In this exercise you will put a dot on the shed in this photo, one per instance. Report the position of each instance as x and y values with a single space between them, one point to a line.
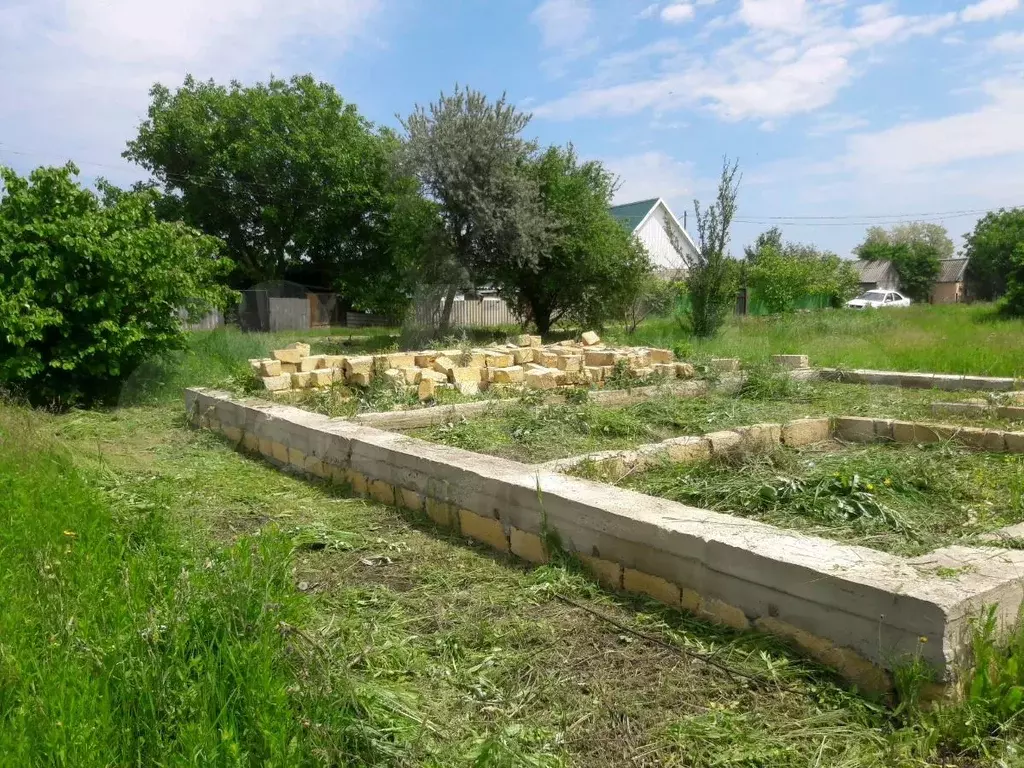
949 285
877 274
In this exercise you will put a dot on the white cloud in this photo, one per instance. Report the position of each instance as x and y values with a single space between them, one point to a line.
677 13
651 174
1007 42
793 58
832 123
563 23
76 74
989 9
993 130
648 12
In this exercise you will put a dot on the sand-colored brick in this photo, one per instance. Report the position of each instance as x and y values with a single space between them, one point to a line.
324 377
1014 442
723 441
685 449
425 358
484 529
380 491
441 512
357 481
522 356
805 432
660 589
685 371
234 434
409 499
499 360
291 356
528 546
270 368
663 356
296 458
857 429
277 383
792 362
279 451
302 380
443 364
589 338
725 364
606 572
251 442
316 467
266 446
310 363
426 389
723 613
513 374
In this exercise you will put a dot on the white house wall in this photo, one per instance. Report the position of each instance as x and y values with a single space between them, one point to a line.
652 235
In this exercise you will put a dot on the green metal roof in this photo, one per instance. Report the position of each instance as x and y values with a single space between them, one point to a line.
631 214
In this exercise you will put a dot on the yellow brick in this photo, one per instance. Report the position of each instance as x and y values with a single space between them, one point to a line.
726 614
289 356
528 546
409 499
484 529
381 491
266 446
338 475
296 458
653 586
250 442
234 434
357 480
690 600
439 511
280 452
605 571
310 364
315 467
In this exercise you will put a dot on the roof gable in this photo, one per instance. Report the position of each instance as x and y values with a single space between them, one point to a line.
874 271
632 215
951 270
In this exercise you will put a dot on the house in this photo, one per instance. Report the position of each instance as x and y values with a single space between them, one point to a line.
877 274
949 285
652 221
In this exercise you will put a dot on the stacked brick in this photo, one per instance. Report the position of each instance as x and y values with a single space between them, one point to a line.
526 363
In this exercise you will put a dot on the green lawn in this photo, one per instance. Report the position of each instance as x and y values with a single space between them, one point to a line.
962 339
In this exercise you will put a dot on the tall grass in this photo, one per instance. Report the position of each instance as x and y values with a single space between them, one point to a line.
121 646
961 339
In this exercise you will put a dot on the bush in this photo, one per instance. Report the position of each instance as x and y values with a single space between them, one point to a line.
90 288
1013 300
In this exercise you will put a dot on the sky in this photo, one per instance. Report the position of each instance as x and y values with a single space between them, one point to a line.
840 113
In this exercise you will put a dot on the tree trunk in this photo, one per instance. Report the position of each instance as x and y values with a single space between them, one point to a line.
445 321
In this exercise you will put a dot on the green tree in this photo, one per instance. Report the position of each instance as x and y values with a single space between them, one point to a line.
783 273
1013 299
90 288
770 238
713 277
470 157
990 249
910 233
286 173
588 268
917 264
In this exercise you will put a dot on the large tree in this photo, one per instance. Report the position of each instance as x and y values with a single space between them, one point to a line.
782 273
991 250
588 267
91 287
909 233
916 263
470 157
286 173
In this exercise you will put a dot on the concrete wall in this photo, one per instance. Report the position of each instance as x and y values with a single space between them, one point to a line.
856 609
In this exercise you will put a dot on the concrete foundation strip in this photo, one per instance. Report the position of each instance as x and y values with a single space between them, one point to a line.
858 610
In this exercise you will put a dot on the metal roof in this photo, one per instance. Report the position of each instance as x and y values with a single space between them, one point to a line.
873 271
951 270
631 214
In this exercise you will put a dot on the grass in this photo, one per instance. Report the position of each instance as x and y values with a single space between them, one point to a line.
908 500
531 433
961 339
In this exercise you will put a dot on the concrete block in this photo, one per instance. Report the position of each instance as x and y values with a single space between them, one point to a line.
381 491
724 441
589 338
528 546
686 449
498 360
309 363
279 451
982 439
792 362
289 367
462 374
300 347
302 380
760 436
296 459
291 356
545 379
914 432
805 432
277 383
401 360
1014 442
440 512
511 375
966 408
536 341
468 388
663 356
357 481
425 359
483 529
1011 412
315 467
324 377
545 358
570 363
855 429
685 371
411 374
600 357
443 364
522 356
725 364
435 376
270 367
409 499
660 589
668 370
425 390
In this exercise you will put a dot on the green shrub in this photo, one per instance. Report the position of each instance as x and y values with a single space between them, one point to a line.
90 288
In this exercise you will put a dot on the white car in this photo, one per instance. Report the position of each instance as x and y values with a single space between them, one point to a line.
880 298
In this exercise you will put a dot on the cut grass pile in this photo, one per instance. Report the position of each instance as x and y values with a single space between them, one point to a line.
452 655
898 498
962 339
122 644
532 433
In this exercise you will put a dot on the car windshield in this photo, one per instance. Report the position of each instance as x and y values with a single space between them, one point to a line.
872 296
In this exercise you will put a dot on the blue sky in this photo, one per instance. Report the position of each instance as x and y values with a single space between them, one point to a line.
841 113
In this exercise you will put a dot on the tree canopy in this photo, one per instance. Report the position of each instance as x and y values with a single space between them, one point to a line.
916 263
286 173
991 249
782 273
909 233
90 288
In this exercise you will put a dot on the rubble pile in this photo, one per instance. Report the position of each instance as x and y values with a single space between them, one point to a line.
524 363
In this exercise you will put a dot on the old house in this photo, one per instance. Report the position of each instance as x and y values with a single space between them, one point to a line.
949 285
654 224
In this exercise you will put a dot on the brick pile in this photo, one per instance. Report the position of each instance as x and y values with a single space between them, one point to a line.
525 363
